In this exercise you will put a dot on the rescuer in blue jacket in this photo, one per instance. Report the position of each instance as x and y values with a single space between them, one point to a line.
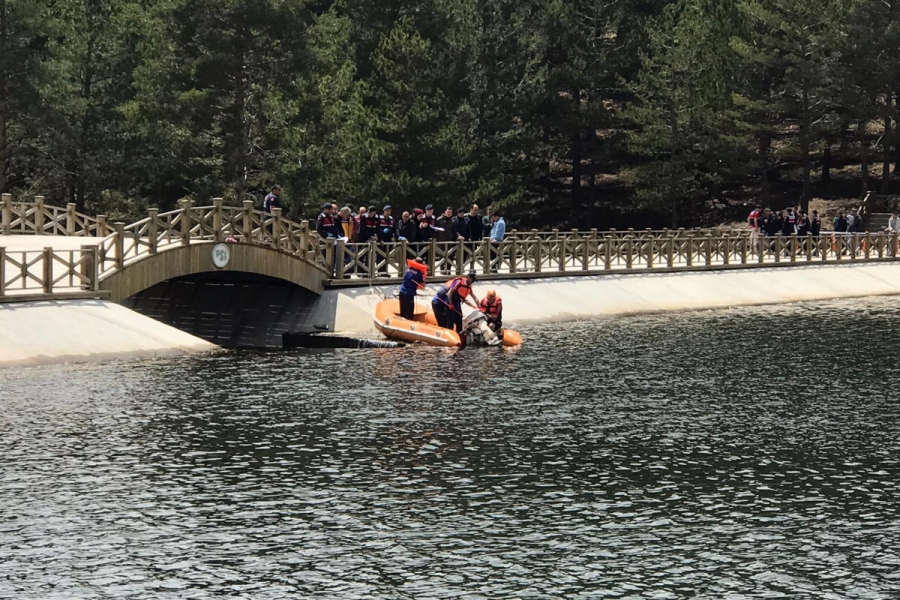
413 281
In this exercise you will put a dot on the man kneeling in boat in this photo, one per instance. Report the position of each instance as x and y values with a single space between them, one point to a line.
413 281
447 303
492 307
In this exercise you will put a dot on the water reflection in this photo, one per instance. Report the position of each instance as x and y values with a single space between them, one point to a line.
726 454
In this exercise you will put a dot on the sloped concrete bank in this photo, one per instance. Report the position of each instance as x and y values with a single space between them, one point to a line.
572 298
39 333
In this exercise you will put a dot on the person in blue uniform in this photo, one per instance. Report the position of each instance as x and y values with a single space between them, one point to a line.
413 281
447 303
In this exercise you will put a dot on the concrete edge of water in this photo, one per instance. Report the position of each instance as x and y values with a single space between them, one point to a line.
46 332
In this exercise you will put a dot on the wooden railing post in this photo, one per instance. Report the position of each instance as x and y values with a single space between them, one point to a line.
867 246
535 249
854 244
404 255
48 270
340 261
460 258
6 214
70 218
102 226
217 218
670 251
607 252
153 230
2 271
329 254
248 221
120 244
38 215
432 256
276 228
486 254
89 268
304 240
186 214
726 252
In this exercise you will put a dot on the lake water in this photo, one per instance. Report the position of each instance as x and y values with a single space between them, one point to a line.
747 453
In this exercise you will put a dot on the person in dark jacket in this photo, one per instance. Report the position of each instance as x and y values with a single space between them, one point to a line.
387 233
426 222
406 228
855 223
328 224
473 223
461 224
368 226
406 232
446 230
840 224
815 223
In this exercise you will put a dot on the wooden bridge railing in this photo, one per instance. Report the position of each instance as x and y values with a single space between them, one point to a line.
591 252
48 271
37 218
191 224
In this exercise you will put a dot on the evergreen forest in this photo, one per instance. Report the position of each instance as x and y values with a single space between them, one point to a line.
566 113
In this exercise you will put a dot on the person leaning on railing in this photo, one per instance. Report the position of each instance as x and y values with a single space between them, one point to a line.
498 232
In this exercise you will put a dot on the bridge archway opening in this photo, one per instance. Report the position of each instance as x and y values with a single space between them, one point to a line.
231 309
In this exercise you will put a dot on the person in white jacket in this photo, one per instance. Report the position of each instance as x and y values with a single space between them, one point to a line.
893 228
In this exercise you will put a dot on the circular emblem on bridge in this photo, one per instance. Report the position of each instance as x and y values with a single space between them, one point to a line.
221 254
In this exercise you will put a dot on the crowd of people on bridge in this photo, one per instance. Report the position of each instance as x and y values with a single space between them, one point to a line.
417 226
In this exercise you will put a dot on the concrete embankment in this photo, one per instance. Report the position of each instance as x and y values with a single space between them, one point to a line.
573 298
37 333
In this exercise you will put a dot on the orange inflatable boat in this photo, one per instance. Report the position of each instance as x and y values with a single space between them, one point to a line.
424 328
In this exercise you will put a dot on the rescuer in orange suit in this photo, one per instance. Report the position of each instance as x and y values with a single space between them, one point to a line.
492 307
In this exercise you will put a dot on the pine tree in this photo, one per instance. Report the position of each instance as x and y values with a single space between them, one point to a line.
790 50
23 52
682 111
218 95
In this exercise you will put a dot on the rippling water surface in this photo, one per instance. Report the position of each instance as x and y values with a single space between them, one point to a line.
729 454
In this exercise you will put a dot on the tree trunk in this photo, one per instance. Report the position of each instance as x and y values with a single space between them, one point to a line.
4 104
886 166
576 150
826 163
805 135
863 157
764 143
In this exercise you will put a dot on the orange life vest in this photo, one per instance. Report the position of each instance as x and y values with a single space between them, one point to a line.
491 310
463 289
417 266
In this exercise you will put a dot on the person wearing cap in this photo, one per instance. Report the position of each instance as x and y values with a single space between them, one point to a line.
413 281
447 303
426 225
368 226
492 307
327 224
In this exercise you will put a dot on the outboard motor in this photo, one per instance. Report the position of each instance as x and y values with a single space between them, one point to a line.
476 326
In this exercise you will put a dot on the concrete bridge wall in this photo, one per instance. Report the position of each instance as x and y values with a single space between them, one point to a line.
562 299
